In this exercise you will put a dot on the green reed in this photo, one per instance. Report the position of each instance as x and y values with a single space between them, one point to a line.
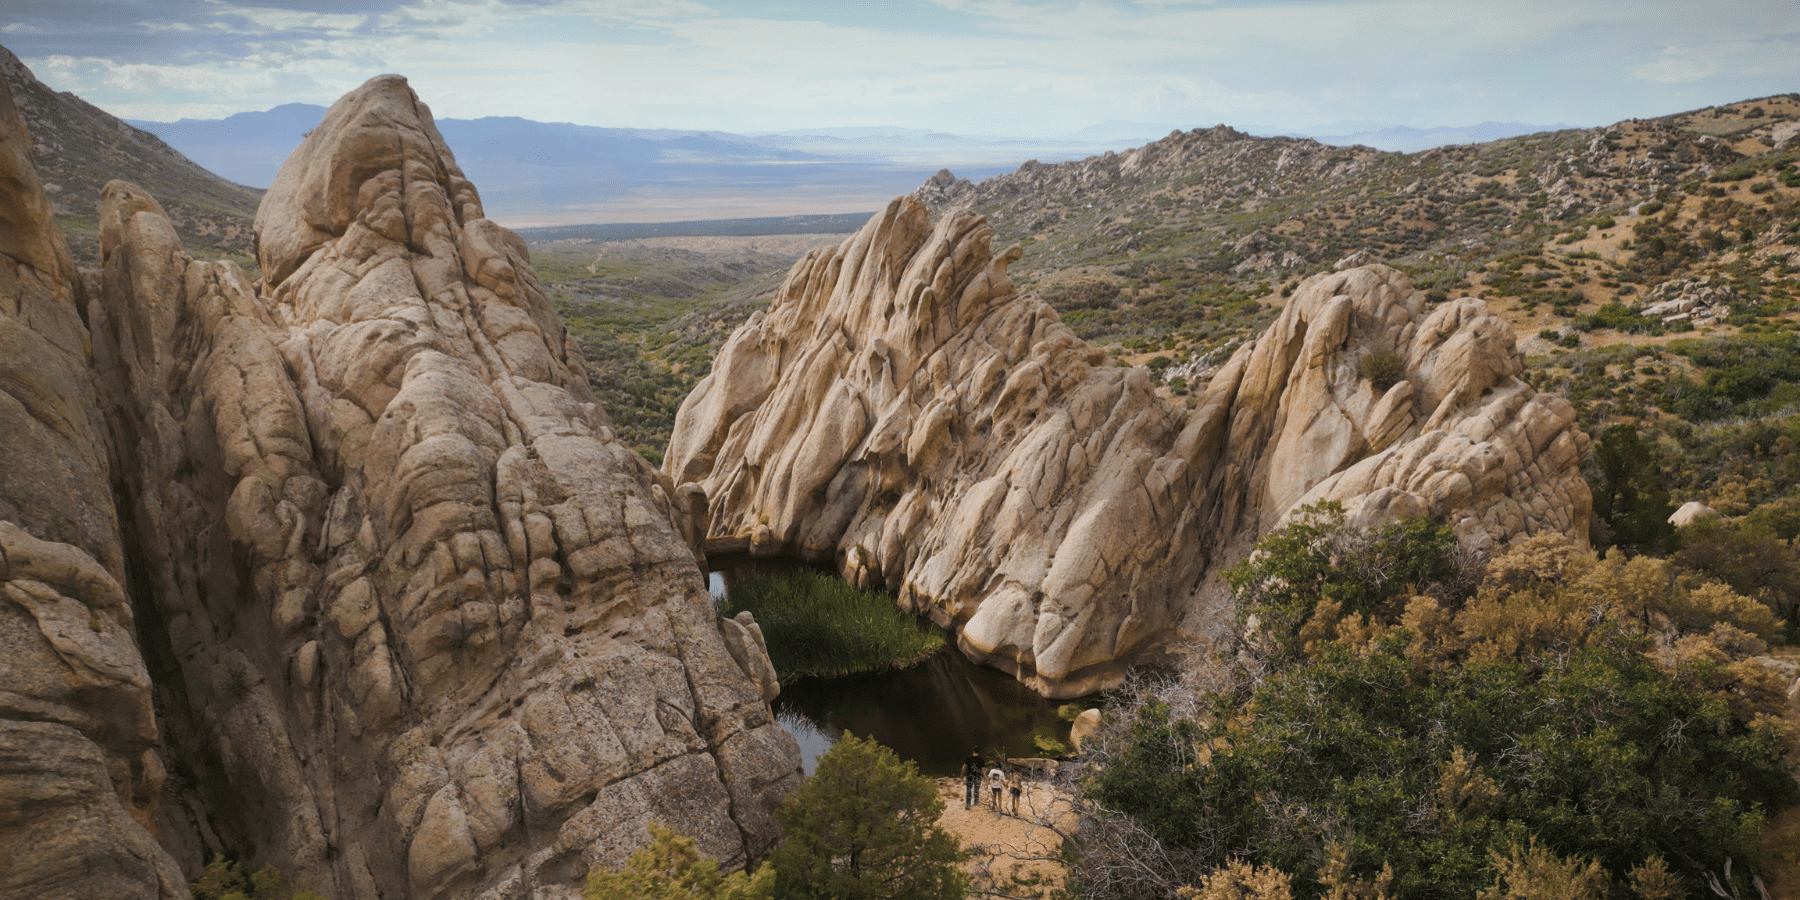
816 624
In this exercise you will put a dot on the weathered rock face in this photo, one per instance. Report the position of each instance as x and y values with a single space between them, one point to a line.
900 408
419 626
78 773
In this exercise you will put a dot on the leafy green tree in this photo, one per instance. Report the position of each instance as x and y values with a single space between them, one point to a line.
864 827
1629 497
672 869
1317 558
1750 557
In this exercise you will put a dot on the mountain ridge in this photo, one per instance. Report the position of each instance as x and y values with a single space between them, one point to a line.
77 148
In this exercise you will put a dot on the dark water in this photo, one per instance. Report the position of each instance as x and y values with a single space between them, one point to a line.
931 713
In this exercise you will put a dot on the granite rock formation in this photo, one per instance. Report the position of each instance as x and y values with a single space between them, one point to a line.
417 625
79 776
901 409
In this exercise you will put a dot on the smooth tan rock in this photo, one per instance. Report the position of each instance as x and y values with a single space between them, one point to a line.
1085 725
1691 512
429 607
902 410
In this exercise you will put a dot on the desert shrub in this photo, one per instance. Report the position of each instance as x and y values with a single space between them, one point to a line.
223 880
816 624
1615 316
1383 367
671 869
1539 740
863 827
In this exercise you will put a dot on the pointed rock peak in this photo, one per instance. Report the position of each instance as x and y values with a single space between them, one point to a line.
376 160
27 226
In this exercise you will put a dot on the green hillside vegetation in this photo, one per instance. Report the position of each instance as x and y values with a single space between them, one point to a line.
650 315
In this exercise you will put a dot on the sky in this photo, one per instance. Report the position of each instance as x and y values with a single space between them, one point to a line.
1029 68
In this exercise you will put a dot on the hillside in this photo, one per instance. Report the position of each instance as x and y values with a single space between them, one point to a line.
77 148
1171 251
1645 265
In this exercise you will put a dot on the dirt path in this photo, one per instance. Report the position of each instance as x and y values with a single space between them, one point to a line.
1014 856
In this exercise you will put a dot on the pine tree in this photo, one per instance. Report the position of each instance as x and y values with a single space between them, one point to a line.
865 827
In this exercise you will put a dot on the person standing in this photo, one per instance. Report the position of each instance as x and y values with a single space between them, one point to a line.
1015 786
996 780
971 772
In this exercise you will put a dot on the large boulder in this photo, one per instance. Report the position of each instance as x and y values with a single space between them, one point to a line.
902 410
79 775
429 629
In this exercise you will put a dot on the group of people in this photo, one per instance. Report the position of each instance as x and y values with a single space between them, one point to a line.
997 780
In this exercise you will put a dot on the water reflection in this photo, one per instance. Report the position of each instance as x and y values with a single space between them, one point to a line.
931 713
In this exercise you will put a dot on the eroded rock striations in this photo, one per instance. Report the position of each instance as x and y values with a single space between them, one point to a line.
419 626
79 776
901 409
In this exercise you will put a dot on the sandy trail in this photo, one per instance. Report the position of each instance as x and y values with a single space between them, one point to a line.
1013 856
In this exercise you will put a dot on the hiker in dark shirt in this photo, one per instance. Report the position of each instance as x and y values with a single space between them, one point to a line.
971 772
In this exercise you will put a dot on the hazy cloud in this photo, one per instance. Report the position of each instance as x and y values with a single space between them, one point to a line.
974 66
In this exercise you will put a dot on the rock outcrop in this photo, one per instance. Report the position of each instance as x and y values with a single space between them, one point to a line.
79 776
901 409
415 623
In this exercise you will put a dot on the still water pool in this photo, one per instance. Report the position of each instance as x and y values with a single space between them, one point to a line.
931 713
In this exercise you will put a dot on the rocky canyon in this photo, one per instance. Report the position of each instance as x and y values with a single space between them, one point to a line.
341 569
338 566
902 410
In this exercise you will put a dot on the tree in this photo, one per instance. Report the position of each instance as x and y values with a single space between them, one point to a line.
1750 557
1319 558
863 827
1629 497
671 869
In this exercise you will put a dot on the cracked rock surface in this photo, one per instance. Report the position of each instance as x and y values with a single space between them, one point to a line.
416 624
79 776
902 410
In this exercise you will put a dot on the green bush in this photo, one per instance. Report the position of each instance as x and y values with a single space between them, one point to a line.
1441 740
816 624
671 869
864 827
1383 367
223 880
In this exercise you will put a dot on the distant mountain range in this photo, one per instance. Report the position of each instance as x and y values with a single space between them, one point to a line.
546 173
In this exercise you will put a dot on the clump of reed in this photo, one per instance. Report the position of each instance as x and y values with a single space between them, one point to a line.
819 625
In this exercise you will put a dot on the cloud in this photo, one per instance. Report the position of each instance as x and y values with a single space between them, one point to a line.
1036 67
